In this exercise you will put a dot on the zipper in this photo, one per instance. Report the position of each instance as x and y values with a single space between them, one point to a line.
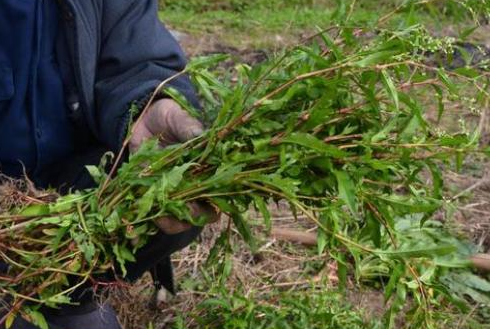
74 51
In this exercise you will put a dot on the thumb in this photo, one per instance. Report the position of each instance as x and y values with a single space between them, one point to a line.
185 127
176 125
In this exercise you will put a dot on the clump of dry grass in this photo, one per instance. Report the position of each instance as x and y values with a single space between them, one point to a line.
21 192
134 303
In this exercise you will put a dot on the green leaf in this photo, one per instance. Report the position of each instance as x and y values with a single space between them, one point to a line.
311 142
341 271
198 63
88 249
59 236
9 321
95 172
65 203
376 58
347 190
262 207
390 88
372 229
386 131
244 230
468 72
205 90
437 180
145 203
127 254
408 204
123 255
474 281
415 107
397 273
287 186
459 161
447 81
37 318
209 303
425 252
182 101
240 223
224 205
440 102
56 220
322 241
170 181
340 13
331 45
458 286
225 174
411 128
467 32
54 301
112 222
35 210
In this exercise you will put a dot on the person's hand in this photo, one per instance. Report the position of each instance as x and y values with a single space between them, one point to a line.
167 121
170 225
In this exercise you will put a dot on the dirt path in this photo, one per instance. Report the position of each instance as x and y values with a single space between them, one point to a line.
209 44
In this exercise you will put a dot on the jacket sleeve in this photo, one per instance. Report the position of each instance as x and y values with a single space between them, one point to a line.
136 54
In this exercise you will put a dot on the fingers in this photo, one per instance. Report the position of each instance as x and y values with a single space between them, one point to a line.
140 134
167 120
204 209
185 127
170 225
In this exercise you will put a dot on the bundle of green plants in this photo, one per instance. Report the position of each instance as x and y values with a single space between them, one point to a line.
345 128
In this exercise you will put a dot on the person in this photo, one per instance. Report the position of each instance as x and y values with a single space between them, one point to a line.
70 73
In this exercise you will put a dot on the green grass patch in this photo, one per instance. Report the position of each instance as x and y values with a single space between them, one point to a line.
293 310
273 24
311 308
254 27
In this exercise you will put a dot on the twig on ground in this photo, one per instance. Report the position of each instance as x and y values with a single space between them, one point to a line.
481 262
295 236
483 181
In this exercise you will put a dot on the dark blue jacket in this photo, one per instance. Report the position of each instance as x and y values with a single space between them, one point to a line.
114 52
35 130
